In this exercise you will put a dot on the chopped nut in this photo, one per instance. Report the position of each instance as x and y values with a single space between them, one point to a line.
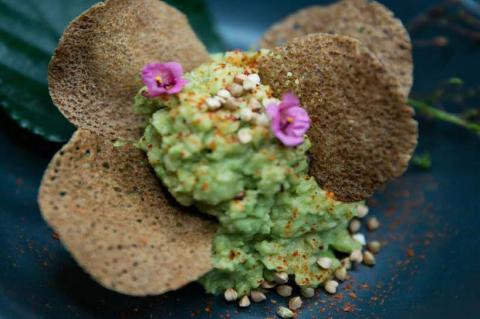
360 238
267 284
356 256
255 78
362 211
341 273
374 246
368 258
246 114
249 85
257 296
295 303
231 104
307 292
331 286
244 135
354 226
324 262
284 312
284 290
239 78
254 104
268 101
244 302
230 294
373 223
235 89
262 120
213 103
225 94
346 263
281 277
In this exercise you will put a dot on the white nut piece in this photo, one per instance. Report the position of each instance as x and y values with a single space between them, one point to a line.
255 78
359 237
257 296
249 85
244 302
268 101
231 104
235 89
331 286
262 120
374 246
284 312
373 224
356 256
254 104
281 277
362 210
239 78
307 292
354 226
267 284
346 262
246 114
341 273
244 135
368 258
284 290
230 294
213 103
324 262
225 94
295 303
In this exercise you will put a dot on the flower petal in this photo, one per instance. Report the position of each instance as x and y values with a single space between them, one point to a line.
368 21
94 73
363 132
289 100
111 213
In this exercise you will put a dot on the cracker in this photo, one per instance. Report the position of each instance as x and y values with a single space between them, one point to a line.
111 213
370 22
362 132
95 71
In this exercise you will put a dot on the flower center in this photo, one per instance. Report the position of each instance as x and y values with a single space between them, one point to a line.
159 80
289 119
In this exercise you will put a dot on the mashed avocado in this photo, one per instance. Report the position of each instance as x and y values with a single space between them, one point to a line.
226 161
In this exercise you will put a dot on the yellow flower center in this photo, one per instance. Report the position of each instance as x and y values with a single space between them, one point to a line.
159 80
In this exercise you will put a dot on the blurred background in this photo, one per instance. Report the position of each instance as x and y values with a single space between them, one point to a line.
431 215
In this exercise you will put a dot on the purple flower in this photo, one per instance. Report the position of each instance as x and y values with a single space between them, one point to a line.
166 78
290 121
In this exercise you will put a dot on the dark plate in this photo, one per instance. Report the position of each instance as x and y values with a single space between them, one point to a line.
431 219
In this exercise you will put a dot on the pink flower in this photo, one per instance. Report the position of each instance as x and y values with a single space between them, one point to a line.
290 121
166 78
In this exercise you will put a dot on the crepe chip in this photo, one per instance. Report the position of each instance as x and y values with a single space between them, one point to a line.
370 22
95 71
112 214
362 132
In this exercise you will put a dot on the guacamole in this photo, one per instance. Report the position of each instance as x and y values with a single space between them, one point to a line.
212 147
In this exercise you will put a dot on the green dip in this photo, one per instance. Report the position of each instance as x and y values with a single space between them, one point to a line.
273 216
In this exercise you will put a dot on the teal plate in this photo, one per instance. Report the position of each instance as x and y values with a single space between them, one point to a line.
430 218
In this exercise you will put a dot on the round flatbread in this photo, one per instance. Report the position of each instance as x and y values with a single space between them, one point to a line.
362 131
95 71
370 22
111 213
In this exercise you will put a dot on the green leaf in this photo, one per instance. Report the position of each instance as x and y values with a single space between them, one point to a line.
29 32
